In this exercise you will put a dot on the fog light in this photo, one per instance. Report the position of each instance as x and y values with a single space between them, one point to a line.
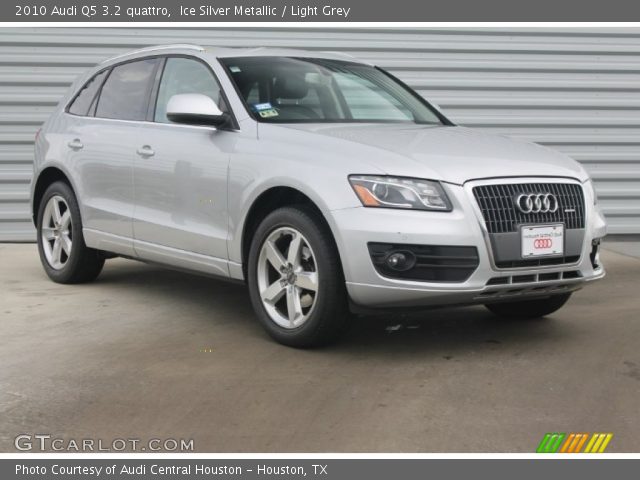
401 261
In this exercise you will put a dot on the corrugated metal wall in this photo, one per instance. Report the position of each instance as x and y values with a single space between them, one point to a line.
576 90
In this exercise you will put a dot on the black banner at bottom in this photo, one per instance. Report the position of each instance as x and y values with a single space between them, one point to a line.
318 468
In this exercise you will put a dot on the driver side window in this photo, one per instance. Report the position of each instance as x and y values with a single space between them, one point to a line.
185 75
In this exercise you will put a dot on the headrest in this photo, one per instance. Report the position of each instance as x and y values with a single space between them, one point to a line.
293 87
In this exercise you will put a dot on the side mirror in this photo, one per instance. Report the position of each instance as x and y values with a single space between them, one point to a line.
195 109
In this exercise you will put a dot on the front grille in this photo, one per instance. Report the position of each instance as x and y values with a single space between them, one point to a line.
497 203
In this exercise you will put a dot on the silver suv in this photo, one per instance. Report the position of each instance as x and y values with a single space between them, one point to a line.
324 183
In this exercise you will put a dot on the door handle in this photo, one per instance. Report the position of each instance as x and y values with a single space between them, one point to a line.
75 144
146 151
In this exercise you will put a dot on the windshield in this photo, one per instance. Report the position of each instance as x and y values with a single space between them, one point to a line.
298 90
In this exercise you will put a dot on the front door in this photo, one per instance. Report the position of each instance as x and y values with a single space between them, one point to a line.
180 178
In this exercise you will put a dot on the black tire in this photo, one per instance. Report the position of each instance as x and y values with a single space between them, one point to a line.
330 315
529 308
84 264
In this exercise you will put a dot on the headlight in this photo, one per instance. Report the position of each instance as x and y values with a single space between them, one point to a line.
398 192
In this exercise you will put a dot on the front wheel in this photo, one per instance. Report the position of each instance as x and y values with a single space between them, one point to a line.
295 278
529 308
63 253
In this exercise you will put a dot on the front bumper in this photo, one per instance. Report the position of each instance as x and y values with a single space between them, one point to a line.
354 228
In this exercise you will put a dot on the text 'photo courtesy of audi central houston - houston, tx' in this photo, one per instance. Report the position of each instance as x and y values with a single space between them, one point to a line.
325 183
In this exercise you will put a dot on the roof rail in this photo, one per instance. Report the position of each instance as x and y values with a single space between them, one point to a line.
173 46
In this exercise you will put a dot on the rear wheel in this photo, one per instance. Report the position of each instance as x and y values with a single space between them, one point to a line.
295 278
529 308
63 253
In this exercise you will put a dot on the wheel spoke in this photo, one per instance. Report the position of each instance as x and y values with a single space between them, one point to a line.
307 280
274 292
274 256
55 212
48 249
65 221
65 241
294 309
47 232
295 247
57 251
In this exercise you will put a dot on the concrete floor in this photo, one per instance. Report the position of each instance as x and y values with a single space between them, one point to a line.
128 357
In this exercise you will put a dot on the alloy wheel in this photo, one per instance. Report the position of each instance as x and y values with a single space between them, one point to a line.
287 277
56 232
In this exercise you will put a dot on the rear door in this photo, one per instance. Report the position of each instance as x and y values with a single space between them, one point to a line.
103 144
180 177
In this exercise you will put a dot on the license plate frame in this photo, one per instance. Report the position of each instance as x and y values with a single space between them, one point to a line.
533 240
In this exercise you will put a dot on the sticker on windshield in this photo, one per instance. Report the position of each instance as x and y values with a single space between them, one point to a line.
235 69
272 112
262 106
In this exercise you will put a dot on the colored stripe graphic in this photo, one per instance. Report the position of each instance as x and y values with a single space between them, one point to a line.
569 443
542 447
581 443
573 443
550 443
598 443
591 443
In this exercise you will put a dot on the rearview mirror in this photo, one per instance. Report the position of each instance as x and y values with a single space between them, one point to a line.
195 109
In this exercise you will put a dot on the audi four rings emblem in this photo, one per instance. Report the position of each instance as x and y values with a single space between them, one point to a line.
542 243
537 203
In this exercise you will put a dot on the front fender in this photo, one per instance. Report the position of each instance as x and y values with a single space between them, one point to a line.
247 199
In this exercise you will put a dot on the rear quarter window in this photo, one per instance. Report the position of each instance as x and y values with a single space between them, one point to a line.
83 100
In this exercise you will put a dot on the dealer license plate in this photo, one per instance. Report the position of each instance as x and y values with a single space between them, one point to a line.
542 240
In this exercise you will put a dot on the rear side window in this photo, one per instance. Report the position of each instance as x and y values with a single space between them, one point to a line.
125 93
84 99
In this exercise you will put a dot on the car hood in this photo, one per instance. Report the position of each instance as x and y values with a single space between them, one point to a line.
452 154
